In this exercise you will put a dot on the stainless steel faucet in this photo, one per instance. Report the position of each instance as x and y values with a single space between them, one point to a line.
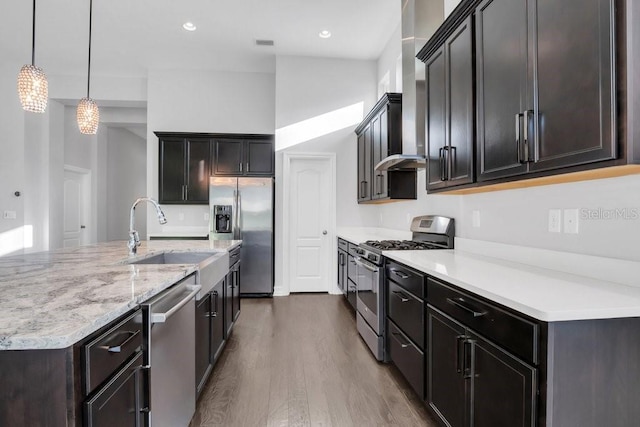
134 238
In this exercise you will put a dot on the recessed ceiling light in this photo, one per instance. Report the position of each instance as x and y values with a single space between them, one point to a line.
189 26
325 34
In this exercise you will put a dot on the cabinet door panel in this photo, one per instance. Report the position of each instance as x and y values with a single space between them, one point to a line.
436 120
503 388
229 157
460 104
364 165
259 158
199 160
446 389
384 152
228 304
571 44
172 170
203 345
217 319
375 157
501 76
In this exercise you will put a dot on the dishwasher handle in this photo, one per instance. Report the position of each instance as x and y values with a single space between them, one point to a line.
163 317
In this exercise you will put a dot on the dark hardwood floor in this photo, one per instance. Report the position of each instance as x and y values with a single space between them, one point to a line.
299 361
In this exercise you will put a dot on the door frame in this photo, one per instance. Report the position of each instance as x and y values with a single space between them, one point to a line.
86 202
331 263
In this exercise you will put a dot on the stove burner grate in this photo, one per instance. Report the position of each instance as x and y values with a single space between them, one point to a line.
401 245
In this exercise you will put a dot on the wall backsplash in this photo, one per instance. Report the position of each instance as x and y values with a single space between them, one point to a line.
608 215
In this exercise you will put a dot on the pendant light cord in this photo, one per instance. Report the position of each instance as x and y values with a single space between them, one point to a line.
33 35
89 65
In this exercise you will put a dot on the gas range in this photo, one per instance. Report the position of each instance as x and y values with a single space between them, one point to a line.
429 232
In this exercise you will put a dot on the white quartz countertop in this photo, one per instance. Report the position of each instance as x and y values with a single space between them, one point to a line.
541 293
54 299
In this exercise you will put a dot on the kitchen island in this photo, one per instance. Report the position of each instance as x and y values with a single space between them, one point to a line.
50 302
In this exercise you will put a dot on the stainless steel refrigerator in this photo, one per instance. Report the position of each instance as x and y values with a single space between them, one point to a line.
242 209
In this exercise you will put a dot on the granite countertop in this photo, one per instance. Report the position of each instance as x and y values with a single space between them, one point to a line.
547 294
54 299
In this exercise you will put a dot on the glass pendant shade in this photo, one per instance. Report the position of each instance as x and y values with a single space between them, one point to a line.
33 89
88 116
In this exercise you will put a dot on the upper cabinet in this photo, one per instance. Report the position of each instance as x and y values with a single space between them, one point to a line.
249 157
187 160
379 136
545 79
449 110
523 89
184 170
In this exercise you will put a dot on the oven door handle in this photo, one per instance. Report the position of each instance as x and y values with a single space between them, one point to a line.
368 267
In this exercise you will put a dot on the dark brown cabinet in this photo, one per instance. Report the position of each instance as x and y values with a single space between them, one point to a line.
546 85
472 382
204 361
209 333
342 265
379 136
242 157
405 323
232 293
450 111
184 170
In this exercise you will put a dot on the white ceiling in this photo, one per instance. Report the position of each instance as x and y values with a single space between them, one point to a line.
132 36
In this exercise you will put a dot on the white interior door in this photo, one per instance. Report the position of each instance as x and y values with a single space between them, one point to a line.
310 218
75 212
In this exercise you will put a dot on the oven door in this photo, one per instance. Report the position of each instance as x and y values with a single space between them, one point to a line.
369 299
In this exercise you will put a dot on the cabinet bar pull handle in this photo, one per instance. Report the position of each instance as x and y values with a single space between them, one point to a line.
461 303
403 297
118 348
397 337
468 358
459 349
526 134
399 273
518 141
240 167
186 192
247 166
441 160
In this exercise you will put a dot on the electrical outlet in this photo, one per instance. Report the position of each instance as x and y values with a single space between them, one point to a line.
475 218
9 215
555 218
180 216
206 216
571 221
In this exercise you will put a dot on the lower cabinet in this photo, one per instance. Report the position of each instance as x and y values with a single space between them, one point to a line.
209 333
473 382
405 321
232 298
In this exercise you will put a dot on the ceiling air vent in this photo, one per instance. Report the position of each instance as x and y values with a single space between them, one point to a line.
264 42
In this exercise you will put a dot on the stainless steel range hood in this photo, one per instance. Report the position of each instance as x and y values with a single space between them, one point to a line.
420 19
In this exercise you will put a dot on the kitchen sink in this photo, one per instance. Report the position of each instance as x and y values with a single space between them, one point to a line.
212 266
176 258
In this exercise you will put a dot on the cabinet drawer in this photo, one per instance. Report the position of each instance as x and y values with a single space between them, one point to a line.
407 357
106 353
352 249
407 312
343 244
409 279
516 334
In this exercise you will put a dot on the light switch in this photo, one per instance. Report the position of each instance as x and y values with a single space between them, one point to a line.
475 218
555 218
571 221
180 216
9 215
206 216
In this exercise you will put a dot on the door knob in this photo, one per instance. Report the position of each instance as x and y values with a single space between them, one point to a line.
324 232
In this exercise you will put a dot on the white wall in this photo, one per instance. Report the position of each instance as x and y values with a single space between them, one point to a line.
310 87
11 159
449 5
126 180
388 61
202 101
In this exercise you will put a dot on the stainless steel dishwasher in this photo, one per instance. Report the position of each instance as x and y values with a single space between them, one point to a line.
170 334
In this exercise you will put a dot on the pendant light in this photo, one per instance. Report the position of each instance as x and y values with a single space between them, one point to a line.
33 88
88 113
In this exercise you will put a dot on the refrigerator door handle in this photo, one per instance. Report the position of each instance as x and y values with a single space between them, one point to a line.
239 215
235 214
